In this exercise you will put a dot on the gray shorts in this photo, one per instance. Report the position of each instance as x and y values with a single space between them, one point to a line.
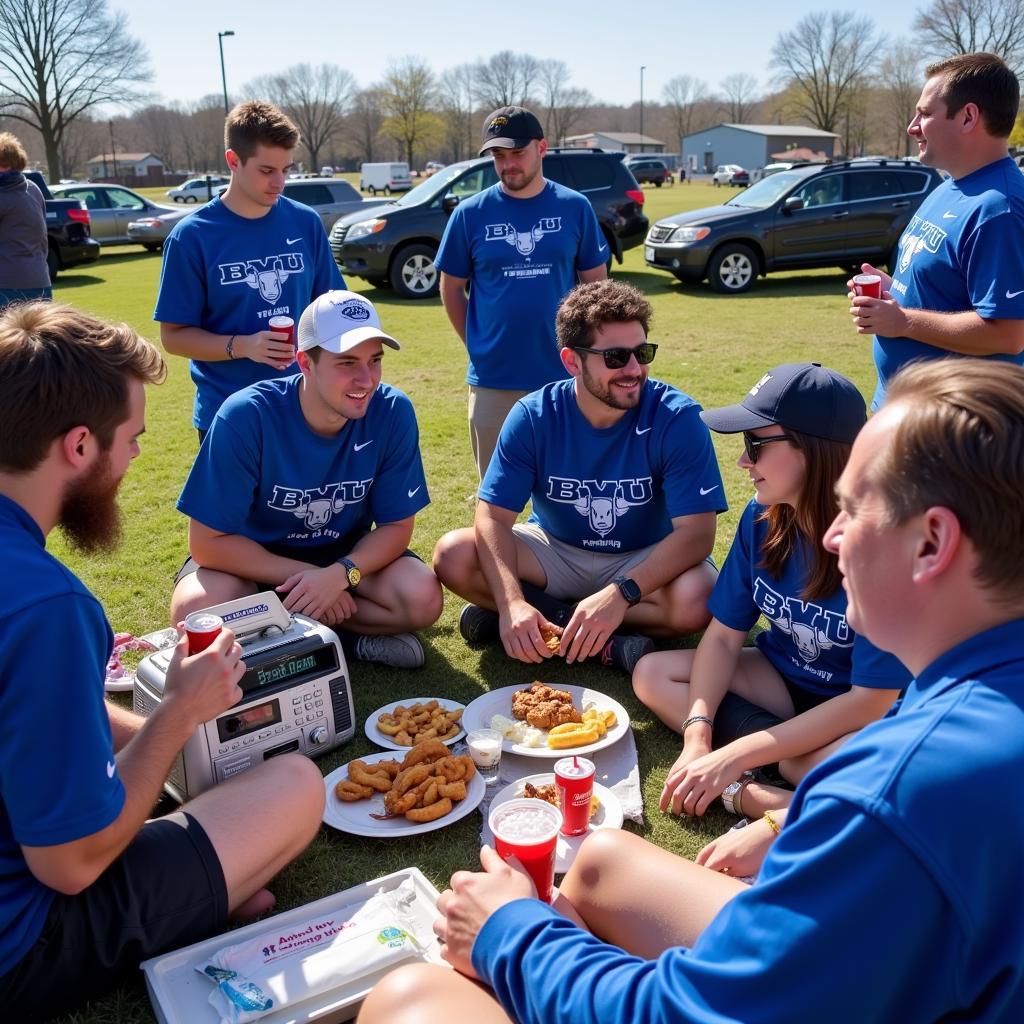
572 572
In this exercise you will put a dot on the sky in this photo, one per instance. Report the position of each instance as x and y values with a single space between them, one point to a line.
604 42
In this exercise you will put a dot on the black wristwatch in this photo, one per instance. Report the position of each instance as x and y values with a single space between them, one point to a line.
628 589
353 572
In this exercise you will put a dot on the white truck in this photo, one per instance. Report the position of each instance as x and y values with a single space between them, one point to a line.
386 178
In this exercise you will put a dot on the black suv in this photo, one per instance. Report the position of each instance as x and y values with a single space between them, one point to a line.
655 172
396 243
814 215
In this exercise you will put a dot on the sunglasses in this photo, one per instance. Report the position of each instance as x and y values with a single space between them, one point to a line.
752 445
617 358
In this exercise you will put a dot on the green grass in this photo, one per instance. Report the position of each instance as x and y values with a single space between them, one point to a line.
712 347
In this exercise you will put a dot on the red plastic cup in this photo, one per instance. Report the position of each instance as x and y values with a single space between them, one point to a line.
528 829
574 777
283 325
202 629
869 285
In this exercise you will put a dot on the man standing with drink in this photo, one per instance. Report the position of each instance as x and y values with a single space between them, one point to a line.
958 286
242 259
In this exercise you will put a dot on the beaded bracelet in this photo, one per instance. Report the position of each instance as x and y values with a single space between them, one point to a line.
772 823
695 718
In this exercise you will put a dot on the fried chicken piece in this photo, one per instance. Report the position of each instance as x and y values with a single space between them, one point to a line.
549 713
543 706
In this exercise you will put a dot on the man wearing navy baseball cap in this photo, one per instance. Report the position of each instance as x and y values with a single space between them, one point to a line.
310 485
524 243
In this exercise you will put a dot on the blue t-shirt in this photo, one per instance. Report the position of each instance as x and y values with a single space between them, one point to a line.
58 773
962 250
229 275
869 864
613 489
522 257
262 473
807 642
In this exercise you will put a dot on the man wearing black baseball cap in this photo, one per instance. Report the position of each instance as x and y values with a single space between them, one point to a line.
524 243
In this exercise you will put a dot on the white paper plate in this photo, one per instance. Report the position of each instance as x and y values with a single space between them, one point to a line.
374 735
609 815
355 819
478 715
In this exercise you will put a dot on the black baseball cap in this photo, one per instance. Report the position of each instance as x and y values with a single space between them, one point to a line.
806 397
510 128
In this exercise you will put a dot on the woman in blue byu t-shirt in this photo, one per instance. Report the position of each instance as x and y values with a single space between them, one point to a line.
810 681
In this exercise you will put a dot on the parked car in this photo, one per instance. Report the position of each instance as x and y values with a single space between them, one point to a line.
432 167
196 190
327 171
730 174
69 242
397 245
111 209
386 178
651 171
812 215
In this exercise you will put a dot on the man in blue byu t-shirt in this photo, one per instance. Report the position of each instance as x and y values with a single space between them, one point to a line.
958 287
89 887
625 489
310 485
245 257
520 245
893 892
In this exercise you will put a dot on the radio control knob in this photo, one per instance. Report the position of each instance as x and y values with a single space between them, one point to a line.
318 735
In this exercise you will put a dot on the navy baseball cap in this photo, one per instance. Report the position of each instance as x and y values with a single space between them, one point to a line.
510 128
806 397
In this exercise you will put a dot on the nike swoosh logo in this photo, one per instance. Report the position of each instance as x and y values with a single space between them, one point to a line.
640 433
111 768
360 447
708 490
292 241
413 491
1013 295
949 216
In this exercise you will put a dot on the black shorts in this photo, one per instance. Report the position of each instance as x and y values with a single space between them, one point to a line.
736 716
165 891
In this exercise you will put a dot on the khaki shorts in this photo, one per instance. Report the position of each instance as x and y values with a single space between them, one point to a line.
488 408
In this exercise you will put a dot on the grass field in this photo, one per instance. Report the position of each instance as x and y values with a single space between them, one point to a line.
712 347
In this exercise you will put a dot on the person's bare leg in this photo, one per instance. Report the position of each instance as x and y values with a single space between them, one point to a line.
675 903
457 566
205 588
427 994
260 821
400 598
680 606
793 769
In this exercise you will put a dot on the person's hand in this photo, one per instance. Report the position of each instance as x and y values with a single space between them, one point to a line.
520 625
270 347
342 609
883 316
472 898
702 780
740 851
312 591
866 268
695 747
592 624
201 686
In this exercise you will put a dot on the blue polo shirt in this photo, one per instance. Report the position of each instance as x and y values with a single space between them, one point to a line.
878 902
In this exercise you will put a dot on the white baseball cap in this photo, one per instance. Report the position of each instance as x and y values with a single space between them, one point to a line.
338 321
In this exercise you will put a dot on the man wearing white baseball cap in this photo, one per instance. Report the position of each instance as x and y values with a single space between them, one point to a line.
310 485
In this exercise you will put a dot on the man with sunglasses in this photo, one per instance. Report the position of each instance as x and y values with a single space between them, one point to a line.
625 489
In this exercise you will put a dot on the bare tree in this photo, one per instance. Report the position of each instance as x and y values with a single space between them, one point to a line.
408 100
683 96
563 103
162 129
505 79
60 59
826 57
456 90
900 79
968 26
315 98
740 92
365 120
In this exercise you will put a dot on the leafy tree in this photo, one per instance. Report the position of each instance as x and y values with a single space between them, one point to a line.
408 98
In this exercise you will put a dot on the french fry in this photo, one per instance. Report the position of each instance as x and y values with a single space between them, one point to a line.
573 734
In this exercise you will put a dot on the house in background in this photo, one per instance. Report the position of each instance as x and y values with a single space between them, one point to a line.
136 170
628 142
754 145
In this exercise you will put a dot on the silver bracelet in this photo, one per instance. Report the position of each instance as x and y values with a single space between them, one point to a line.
230 346
695 718
733 793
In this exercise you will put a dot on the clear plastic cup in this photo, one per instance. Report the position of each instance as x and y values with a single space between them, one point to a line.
485 749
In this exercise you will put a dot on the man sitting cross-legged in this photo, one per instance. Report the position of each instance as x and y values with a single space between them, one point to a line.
310 485
625 488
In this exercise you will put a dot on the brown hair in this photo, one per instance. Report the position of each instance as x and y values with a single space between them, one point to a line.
982 79
960 445
12 152
816 508
254 122
588 306
61 368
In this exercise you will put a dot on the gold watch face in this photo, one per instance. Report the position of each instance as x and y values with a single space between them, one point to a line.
354 576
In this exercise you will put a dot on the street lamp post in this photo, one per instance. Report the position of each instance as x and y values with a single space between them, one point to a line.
642 68
223 77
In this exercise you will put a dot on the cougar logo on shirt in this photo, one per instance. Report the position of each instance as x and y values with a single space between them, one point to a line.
524 241
921 234
602 503
814 629
267 276
317 505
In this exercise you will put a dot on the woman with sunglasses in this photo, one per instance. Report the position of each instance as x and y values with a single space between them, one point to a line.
809 681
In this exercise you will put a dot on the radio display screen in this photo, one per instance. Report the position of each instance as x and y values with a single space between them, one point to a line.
289 668
250 720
